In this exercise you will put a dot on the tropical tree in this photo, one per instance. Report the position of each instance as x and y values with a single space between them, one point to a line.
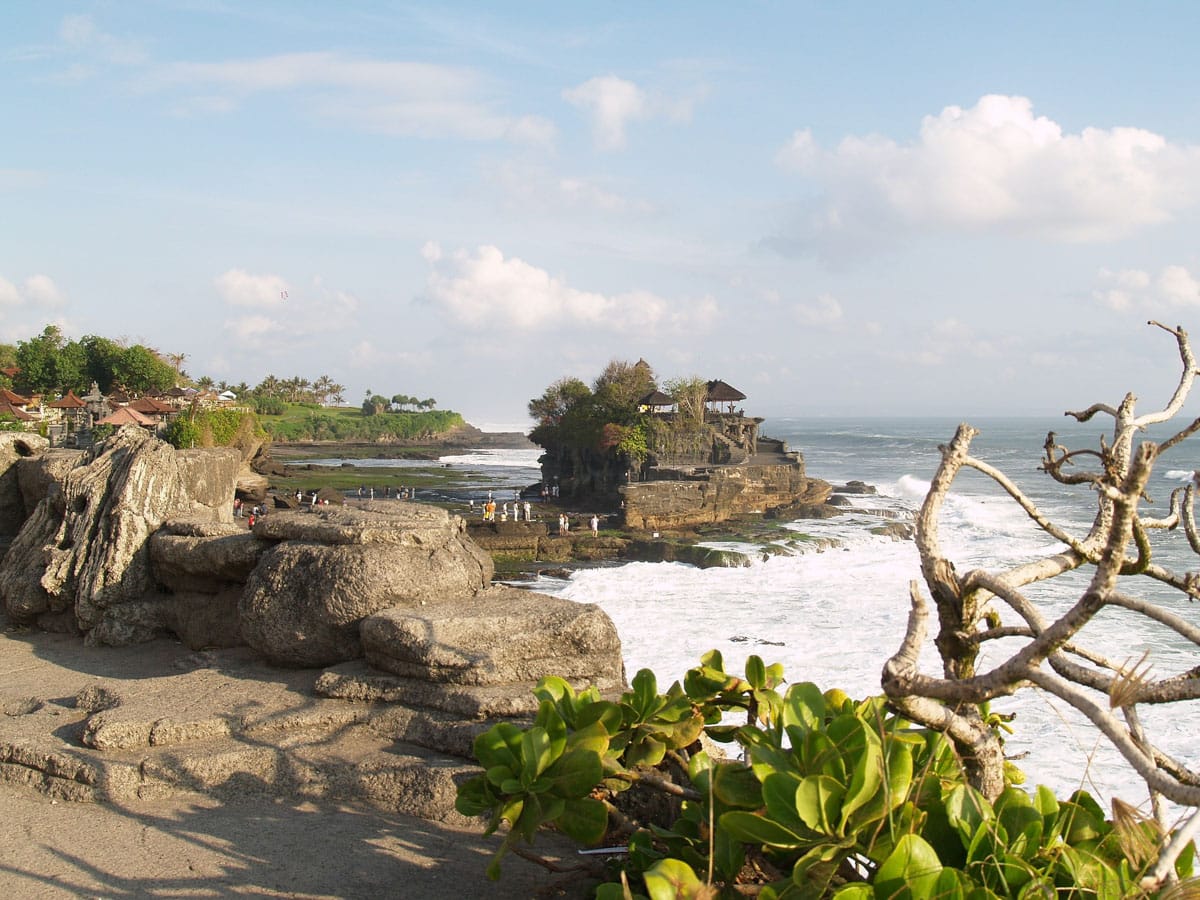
36 358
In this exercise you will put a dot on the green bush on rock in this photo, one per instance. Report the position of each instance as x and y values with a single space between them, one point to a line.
830 797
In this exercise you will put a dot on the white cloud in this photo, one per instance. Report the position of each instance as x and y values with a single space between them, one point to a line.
394 97
822 312
42 291
614 103
8 293
485 290
998 167
239 288
36 291
1130 289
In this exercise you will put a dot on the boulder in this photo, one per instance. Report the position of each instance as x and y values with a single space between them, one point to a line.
505 636
334 566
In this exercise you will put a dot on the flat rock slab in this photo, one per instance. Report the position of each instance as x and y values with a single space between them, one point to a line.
157 720
409 524
503 636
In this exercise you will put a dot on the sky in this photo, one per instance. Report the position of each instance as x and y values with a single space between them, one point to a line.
861 209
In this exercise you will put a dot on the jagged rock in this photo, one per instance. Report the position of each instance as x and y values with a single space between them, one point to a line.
506 636
84 548
251 486
897 531
335 566
15 446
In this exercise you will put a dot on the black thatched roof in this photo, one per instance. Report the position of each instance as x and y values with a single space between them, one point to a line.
720 392
656 398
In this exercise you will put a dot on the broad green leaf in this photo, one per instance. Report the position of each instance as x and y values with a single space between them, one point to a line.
549 720
670 879
643 698
574 774
912 870
804 706
584 820
1021 821
753 828
602 711
819 755
857 891
536 754
593 737
475 797
770 706
646 752
779 796
552 688
500 745
756 672
819 802
866 779
735 786
966 809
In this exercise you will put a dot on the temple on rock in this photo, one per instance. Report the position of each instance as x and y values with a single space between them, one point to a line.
676 460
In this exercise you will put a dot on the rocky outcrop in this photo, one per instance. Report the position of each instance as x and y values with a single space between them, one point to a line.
135 539
332 567
83 551
15 446
705 496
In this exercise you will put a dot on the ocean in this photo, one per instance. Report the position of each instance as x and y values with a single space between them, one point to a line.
834 617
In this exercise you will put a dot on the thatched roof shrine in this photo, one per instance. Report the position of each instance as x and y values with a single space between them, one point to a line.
656 398
68 402
720 392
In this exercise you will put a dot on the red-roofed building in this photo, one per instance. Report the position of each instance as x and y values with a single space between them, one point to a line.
8 409
127 416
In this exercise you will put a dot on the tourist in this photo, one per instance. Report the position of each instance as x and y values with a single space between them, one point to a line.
595 523
528 510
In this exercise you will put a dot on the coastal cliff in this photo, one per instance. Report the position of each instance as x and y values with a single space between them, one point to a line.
686 498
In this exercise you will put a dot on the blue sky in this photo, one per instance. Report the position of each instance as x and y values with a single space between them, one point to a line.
865 209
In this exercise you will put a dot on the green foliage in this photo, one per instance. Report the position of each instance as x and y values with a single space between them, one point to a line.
308 422
51 364
830 797
268 406
213 428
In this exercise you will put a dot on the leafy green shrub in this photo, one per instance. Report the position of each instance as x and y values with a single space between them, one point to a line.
213 428
831 797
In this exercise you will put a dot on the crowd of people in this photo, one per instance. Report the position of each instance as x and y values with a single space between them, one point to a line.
516 510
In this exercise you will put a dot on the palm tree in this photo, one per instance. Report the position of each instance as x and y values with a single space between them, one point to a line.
339 393
322 388
269 387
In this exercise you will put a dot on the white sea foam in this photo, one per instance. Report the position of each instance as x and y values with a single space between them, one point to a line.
507 458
